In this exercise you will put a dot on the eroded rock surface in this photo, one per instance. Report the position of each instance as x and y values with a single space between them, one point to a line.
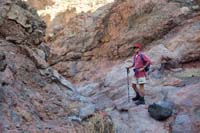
107 35
93 49
33 96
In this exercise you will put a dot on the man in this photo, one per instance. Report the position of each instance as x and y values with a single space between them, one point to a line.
140 63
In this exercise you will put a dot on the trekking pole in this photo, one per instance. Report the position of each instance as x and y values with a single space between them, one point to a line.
127 70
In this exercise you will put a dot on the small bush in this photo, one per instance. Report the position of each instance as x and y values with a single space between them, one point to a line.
99 123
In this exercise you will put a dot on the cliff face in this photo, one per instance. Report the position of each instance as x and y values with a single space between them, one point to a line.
18 19
107 34
92 49
57 13
33 96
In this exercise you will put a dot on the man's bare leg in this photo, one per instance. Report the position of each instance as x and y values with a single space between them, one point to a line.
142 90
134 86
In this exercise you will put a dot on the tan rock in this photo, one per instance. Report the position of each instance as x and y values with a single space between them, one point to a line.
18 14
21 23
25 114
173 82
39 61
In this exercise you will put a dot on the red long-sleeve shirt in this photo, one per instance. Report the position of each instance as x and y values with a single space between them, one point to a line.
138 63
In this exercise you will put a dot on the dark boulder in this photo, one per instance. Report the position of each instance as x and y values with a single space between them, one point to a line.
159 112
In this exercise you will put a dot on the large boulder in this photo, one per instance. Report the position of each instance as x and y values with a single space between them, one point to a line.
160 112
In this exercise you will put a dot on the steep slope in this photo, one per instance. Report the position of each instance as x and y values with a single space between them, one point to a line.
57 13
33 96
94 47
107 35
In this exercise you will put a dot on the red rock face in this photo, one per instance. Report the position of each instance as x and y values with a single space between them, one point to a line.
93 50
33 96
105 36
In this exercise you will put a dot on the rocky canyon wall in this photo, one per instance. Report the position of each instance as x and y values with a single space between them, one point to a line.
90 42
33 96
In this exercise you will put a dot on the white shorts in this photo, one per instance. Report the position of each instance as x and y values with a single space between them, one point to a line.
141 80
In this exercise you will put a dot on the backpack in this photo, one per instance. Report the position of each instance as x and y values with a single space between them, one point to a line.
147 68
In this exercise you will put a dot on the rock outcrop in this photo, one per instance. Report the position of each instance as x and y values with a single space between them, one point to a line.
92 49
21 24
33 96
187 102
175 69
107 35
57 13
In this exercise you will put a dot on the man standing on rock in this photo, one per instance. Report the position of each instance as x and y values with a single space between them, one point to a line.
140 65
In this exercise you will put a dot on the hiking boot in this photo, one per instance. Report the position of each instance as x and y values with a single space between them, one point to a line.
137 97
141 101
